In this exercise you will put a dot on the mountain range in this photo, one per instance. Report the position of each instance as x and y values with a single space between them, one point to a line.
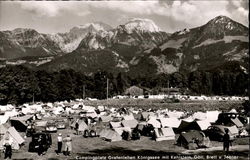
138 47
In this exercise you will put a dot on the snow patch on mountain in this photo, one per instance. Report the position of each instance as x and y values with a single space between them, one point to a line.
94 44
141 25
184 31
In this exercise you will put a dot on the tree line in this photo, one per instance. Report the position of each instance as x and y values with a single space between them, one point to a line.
19 84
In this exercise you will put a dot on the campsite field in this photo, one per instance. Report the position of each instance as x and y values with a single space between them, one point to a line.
162 104
86 147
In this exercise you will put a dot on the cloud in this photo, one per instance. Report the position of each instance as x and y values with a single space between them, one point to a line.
190 12
53 8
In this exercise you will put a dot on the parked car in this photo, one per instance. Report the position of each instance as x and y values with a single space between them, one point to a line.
51 126
225 118
216 133
46 141
60 124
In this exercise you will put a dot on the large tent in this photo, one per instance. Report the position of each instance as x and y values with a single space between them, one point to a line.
20 123
194 125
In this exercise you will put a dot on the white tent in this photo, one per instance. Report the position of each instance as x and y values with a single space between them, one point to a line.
110 135
3 119
176 114
164 134
91 113
101 108
7 107
105 118
130 123
115 124
170 122
233 130
233 111
58 110
212 116
204 124
122 129
154 123
128 117
200 115
82 126
13 136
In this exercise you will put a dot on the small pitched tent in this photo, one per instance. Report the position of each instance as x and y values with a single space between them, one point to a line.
200 116
186 138
204 124
82 126
176 114
3 129
154 123
115 124
110 135
129 116
146 115
170 122
3 119
91 113
14 136
129 123
237 122
105 119
233 130
162 134
122 129
184 126
212 116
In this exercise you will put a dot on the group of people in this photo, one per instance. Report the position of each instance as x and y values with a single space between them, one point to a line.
68 144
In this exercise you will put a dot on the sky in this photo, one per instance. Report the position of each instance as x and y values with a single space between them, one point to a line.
170 16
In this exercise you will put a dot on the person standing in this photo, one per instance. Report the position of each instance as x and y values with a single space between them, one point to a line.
8 148
77 127
68 145
226 141
59 143
40 146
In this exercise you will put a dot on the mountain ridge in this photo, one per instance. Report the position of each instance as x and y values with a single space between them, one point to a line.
148 50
